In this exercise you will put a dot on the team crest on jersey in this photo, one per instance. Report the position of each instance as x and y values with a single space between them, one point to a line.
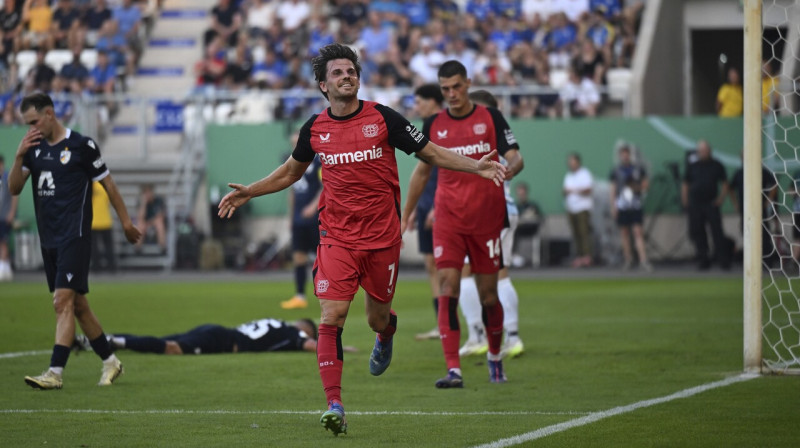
442 134
370 130
322 286
479 128
325 138
437 251
65 156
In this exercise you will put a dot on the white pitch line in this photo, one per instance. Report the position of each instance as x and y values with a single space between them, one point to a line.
21 354
595 416
276 412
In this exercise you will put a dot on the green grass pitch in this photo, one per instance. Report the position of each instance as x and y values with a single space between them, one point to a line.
591 345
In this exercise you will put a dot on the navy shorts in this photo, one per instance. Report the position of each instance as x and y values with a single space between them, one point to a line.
305 238
627 218
5 229
424 236
205 339
67 266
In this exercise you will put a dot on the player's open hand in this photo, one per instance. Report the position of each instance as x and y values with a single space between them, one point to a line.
492 170
233 200
132 233
30 139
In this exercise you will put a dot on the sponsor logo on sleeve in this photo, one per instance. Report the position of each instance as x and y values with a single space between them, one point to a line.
510 139
98 163
414 133
370 130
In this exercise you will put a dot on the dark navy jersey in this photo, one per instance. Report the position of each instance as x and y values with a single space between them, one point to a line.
305 190
269 335
426 199
62 177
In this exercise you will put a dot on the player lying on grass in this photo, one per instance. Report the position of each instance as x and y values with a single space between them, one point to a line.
264 335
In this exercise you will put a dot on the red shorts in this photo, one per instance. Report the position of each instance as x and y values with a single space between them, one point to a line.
484 251
338 272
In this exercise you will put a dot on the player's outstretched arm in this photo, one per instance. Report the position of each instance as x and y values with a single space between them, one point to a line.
283 176
485 167
132 233
17 176
416 185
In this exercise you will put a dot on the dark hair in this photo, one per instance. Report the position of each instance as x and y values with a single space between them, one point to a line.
313 326
576 156
483 97
2 159
37 100
328 53
452 68
430 92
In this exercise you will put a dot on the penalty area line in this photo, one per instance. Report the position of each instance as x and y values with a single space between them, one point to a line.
596 416
21 354
275 412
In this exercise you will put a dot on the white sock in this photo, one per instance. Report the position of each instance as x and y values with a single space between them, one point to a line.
110 359
118 342
57 370
456 370
510 301
471 309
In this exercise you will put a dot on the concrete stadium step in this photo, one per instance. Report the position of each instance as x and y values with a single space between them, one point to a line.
182 22
125 148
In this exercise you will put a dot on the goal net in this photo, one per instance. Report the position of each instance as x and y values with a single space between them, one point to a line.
780 138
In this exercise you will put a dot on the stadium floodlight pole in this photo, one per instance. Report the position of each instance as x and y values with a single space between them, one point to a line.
752 185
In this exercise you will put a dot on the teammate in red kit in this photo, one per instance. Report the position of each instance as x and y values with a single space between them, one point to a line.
359 211
470 214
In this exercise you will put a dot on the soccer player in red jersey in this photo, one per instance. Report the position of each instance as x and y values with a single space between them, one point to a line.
470 214
359 213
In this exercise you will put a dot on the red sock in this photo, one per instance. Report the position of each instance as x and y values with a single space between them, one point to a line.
449 330
493 321
388 332
330 359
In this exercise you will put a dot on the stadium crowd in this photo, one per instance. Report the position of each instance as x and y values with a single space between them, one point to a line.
258 44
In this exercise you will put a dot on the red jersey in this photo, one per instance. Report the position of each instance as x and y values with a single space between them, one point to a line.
360 201
466 203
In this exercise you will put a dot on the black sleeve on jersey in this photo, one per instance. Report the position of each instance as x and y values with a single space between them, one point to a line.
303 152
426 129
402 134
93 163
505 137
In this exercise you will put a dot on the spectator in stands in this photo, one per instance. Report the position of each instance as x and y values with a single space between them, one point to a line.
510 9
590 63
580 96
629 184
600 32
211 69
445 10
41 74
577 188
11 31
237 73
481 9
103 76
152 214
352 13
458 50
702 196
320 36
93 20
113 43
271 72
294 14
129 18
425 63
375 37
406 38
730 99
542 9
492 67
260 17
38 18
560 40
75 73
63 106
225 23
66 25
417 12
103 254
611 8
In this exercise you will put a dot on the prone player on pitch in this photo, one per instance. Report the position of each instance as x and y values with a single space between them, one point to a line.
470 215
359 220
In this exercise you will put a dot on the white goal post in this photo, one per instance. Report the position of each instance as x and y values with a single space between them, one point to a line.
771 291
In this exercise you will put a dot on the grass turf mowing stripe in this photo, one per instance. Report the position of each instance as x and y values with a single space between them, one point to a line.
274 412
21 354
596 416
